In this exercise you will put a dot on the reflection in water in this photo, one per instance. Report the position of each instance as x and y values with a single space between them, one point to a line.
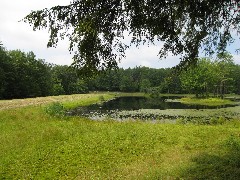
135 103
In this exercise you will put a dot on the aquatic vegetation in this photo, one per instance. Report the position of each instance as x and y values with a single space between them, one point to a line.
206 116
158 110
189 115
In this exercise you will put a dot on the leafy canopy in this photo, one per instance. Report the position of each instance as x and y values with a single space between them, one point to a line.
96 28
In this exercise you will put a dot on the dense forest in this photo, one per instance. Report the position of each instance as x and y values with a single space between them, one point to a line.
22 75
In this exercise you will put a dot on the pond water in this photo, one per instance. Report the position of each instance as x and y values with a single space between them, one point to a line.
120 104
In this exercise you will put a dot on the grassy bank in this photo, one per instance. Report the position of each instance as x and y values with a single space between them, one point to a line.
206 101
34 145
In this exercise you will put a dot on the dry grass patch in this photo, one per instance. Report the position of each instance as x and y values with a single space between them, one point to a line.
68 100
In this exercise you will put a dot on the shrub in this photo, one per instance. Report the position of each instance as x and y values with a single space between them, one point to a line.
213 121
101 98
220 120
55 109
181 121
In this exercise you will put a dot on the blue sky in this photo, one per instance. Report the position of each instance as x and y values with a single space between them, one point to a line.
19 35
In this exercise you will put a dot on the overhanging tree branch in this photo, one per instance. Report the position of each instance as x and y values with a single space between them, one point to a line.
95 28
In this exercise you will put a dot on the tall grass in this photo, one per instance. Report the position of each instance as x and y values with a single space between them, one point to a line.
207 101
34 145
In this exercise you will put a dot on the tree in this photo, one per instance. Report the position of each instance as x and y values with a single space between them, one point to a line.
63 78
223 67
95 28
22 75
172 84
198 78
4 65
145 84
108 81
66 81
235 74
127 84
218 76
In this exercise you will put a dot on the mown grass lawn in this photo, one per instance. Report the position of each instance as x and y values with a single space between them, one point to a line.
34 145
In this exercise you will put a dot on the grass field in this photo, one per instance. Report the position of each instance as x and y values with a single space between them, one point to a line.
207 101
35 145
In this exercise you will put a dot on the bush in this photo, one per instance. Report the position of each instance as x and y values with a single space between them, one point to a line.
219 120
181 121
101 98
213 121
55 109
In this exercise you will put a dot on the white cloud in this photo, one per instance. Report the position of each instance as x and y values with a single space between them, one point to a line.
19 35
236 58
147 56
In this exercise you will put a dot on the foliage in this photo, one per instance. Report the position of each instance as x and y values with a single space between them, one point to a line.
58 89
22 75
220 120
154 92
235 74
66 81
127 84
55 109
196 79
144 85
138 79
4 66
96 29
210 76
224 65
172 84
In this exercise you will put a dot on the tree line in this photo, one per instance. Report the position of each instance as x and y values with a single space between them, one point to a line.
22 75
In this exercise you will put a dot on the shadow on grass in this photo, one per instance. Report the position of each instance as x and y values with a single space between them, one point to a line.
209 166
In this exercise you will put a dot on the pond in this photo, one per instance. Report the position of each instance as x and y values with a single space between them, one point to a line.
125 107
